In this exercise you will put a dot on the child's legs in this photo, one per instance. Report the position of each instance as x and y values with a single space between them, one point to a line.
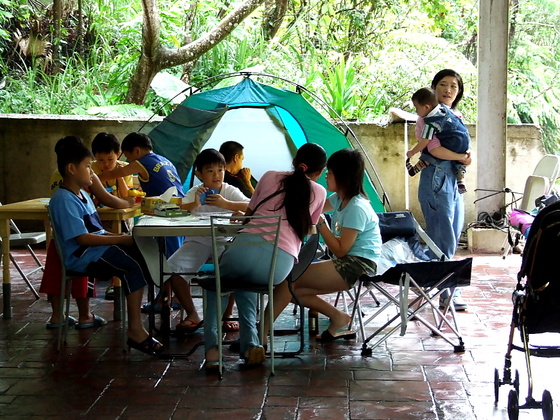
127 264
322 278
188 259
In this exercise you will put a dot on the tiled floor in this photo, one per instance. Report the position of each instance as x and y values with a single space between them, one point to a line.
411 377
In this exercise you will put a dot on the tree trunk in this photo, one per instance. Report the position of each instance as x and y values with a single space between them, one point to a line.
274 15
154 57
57 23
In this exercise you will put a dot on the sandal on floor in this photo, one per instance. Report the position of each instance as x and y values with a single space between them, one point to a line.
97 322
211 366
70 321
255 356
230 326
188 326
327 337
149 346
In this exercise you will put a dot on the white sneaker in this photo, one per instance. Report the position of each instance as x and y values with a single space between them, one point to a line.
458 303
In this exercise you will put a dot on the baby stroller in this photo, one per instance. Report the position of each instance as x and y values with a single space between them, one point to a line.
536 308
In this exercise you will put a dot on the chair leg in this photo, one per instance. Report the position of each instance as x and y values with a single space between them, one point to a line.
24 276
123 316
271 316
65 290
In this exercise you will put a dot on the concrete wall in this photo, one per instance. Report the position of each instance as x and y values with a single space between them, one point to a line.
27 159
386 149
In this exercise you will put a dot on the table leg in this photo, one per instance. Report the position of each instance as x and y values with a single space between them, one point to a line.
6 285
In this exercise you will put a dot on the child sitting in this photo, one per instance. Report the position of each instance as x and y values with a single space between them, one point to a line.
82 291
106 150
213 195
87 248
449 129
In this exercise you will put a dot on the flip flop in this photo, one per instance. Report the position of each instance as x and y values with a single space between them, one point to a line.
327 337
255 356
149 346
230 326
70 321
97 322
188 326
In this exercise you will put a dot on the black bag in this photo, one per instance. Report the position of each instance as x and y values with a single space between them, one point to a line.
545 200
396 224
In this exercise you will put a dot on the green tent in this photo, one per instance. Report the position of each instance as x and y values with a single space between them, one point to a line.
270 123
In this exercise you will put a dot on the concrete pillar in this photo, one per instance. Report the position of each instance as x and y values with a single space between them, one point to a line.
492 96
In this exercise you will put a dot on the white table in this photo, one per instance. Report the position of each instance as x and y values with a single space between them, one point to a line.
149 232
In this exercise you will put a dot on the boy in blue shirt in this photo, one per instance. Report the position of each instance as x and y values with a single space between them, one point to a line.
88 248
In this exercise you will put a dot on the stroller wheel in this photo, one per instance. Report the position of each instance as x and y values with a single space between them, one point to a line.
513 405
546 405
496 386
516 381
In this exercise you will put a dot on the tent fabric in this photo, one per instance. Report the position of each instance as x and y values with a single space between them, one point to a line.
193 125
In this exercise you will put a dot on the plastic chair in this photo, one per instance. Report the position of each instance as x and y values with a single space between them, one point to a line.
223 234
541 181
19 239
66 288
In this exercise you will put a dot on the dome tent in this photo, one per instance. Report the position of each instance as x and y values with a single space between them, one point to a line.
270 123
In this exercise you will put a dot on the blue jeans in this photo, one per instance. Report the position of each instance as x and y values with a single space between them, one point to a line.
253 264
442 206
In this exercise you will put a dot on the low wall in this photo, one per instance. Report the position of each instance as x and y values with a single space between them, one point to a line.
27 159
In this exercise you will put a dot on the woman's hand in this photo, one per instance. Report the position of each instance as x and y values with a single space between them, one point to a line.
467 160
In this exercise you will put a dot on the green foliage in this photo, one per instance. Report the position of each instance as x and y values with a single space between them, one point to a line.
360 56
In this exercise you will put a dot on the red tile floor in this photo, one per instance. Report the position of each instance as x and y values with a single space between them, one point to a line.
411 377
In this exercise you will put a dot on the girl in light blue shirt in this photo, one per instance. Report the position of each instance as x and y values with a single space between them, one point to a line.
353 239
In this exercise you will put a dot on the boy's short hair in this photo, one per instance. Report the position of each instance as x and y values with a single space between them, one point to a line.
425 96
229 149
70 149
133 140
105 143
208 157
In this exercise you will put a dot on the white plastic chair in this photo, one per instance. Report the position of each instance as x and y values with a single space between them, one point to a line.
541 181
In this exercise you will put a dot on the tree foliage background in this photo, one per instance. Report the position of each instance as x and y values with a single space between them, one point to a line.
360 56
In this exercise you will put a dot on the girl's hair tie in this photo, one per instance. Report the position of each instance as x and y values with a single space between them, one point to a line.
302 166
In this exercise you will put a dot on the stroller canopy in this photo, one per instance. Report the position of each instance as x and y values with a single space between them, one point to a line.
270 123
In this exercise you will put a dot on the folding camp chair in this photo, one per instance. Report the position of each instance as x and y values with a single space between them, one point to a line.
17 238
419 286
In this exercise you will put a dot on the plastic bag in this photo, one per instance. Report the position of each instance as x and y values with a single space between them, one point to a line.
393 252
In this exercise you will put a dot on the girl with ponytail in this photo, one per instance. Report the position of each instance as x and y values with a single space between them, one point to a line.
300 200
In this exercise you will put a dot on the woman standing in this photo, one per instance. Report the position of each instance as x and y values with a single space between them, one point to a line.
442 205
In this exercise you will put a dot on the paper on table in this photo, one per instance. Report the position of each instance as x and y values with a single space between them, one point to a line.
167 195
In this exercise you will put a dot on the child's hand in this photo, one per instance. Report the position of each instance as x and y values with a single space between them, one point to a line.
216 200
409 154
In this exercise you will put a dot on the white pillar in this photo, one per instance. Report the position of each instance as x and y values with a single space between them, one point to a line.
492 96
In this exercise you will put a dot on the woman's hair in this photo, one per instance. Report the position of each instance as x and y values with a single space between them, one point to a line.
449 72
310 159
348 168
